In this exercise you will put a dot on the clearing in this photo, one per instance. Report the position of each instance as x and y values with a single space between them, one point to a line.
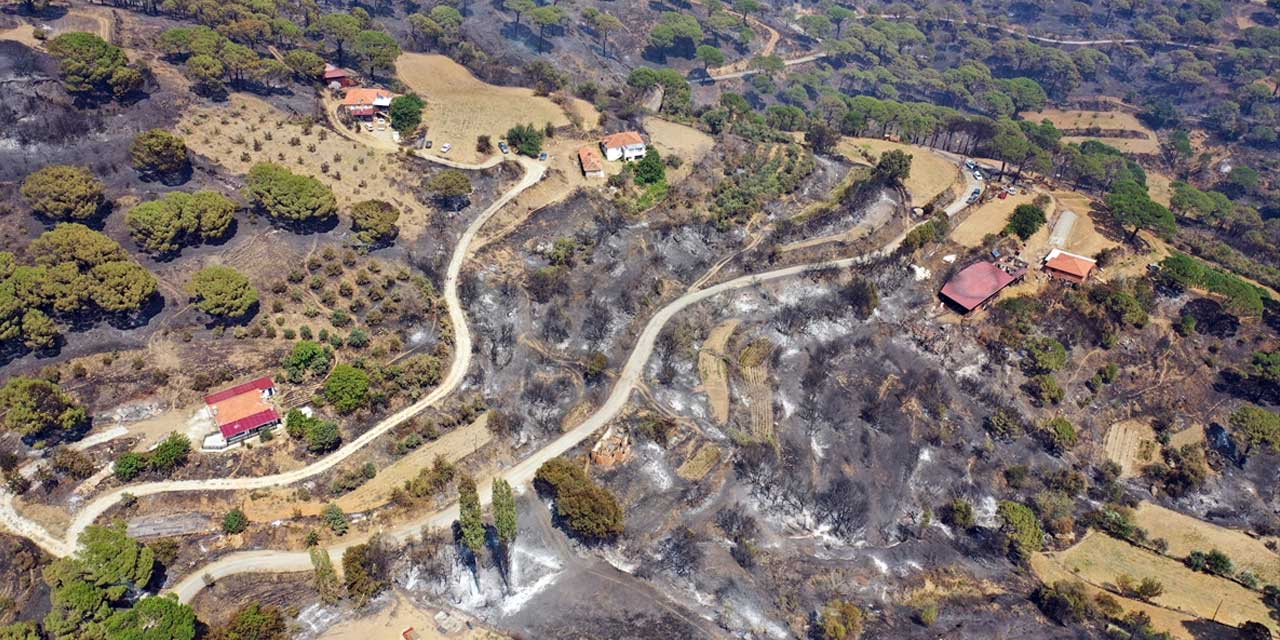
247 130
403 614
673 138
1176 623
1186 534
713 371
989 218
700 463
1119 129
1099 559
931 173
1132 445
461 107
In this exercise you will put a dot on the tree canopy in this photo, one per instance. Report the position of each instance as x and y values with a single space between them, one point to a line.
289 198
180 219
374 222
526 138
347 388
307 359
64 193
1131 206
37 407
450 188
406 113
588 509
92 67
159 153
222 292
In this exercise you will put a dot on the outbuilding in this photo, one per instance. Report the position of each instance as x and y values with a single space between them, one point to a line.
337 75
624 145
977 283
243 410
592 165
1068 266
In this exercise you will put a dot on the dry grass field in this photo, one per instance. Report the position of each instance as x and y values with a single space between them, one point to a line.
713 371
461 107
700 463
1186 534
931 174
685 142
753 363
1104 120
1160 186
1099 559
991 217
1176 623
1132 445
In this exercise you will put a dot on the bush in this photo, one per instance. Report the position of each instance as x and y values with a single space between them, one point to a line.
158 153
336 519
129 465
1026 221
347 388
307 359
234 522
180 219
1020 530
1045 389
1060 435
526 138
223 292
589 510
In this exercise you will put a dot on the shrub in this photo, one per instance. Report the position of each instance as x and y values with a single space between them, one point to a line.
347 388
335 518
158 153
289 198
1060 434
235 521
1026 221
1020 529
589 510
64 193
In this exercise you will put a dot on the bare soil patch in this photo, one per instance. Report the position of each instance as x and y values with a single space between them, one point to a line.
931 173
1132 445
703 460
461 107
401 614
989 218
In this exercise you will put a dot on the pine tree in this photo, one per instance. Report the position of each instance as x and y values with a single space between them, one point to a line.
470 517
504 511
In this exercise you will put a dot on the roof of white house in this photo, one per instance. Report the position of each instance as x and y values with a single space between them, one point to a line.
622 139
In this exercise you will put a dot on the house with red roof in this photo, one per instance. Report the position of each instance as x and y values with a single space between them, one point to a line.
977 283
592 165
242 411
365 102
624 145
1068 266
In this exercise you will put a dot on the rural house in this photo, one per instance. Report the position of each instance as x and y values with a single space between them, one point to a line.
624 145
335 75
978 283
1068 266
592 165
363 102
241 411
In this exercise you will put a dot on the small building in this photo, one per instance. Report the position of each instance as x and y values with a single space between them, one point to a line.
1068 266
363 102
337 75
410 634
592 164
612 448
243 410
978 283
624 145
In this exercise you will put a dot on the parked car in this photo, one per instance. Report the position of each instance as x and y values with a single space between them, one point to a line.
970 165
445 147
427 145
502 144
542 156
977 175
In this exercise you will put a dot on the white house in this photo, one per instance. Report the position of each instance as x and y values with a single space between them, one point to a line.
624 145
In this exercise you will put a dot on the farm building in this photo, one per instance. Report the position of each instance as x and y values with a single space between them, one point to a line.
978 283
242 411
336 75
1068 266
363 102
624 145
592 165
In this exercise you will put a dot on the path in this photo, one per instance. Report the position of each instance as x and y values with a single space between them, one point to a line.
750 72
13 521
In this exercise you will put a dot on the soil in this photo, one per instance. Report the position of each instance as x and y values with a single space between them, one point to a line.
714 372
931 174
1132 445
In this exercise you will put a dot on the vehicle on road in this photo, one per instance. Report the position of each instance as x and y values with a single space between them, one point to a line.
970 165
428 144
445 147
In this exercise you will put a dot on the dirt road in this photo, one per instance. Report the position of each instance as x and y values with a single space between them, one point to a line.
13 521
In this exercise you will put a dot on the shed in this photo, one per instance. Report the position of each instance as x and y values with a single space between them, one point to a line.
339 75
978 283
592 165
1068 266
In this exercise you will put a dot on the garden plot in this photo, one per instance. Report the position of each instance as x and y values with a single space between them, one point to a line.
713 371
1186 534
1132 445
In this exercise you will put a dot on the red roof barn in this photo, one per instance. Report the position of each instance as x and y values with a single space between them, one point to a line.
977 283
243 410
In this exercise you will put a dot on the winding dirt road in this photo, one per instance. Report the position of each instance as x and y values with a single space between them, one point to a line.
533 172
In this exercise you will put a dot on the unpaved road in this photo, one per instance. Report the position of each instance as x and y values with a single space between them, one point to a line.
521 475
13 521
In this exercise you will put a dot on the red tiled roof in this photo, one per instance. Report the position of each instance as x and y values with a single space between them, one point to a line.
622 139
248 423
331 72
590 159
364 96
259 384
1069 263
975 283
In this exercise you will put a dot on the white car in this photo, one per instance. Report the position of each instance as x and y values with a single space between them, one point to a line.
977 175
444 148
